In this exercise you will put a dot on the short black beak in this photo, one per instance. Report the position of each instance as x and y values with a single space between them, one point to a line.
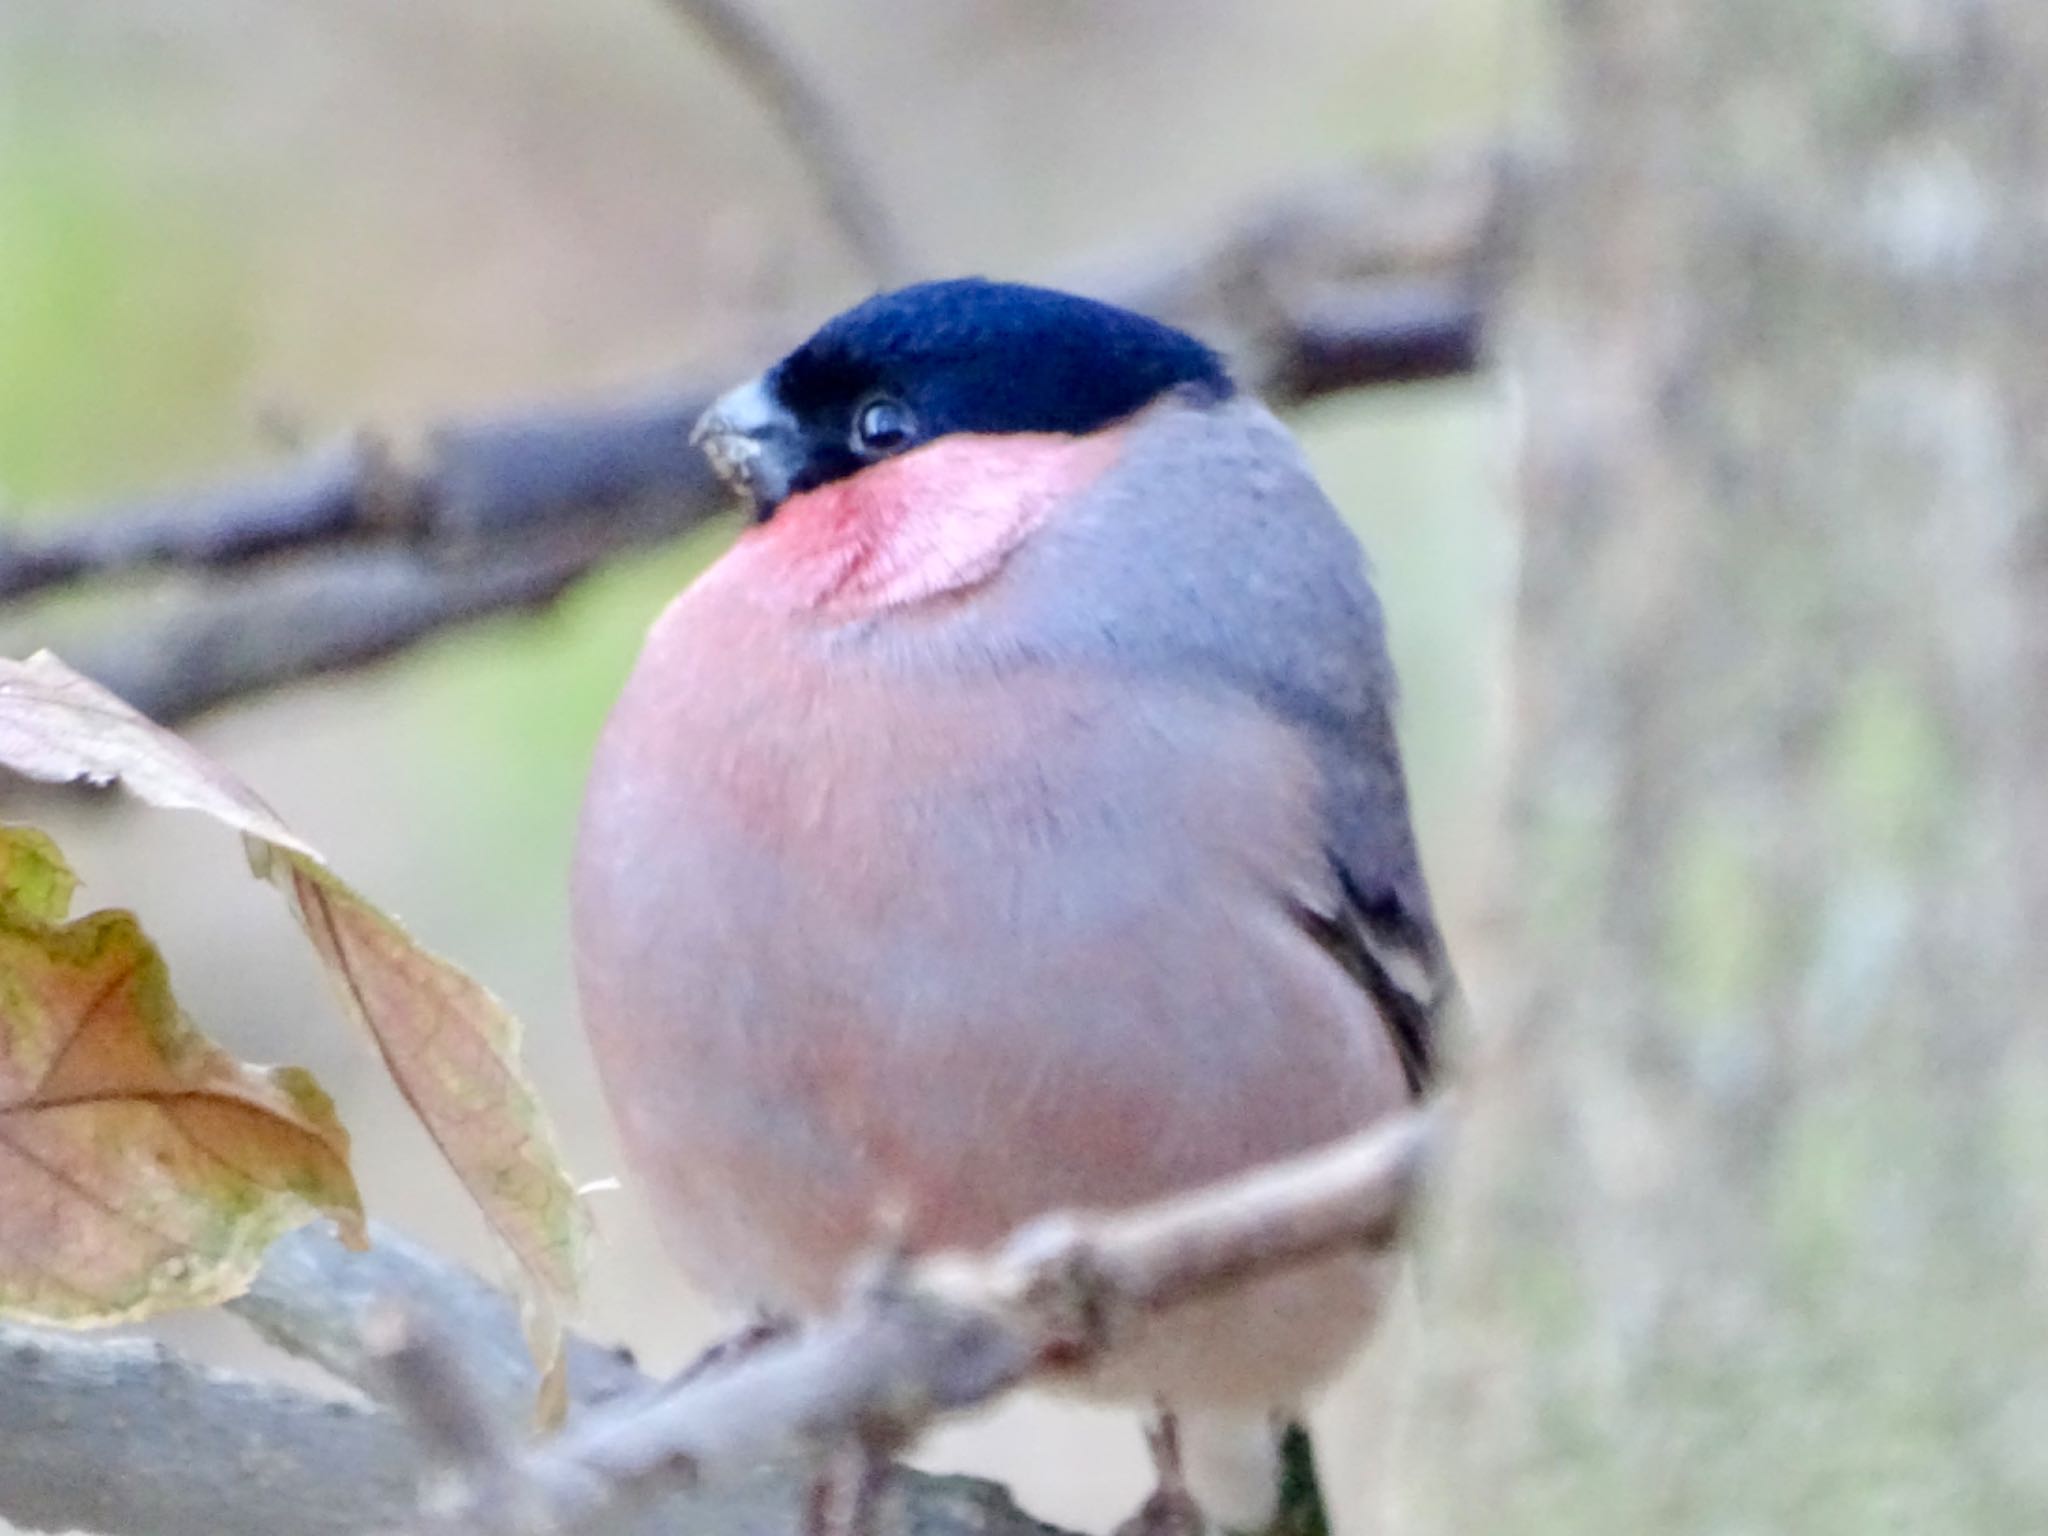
753 444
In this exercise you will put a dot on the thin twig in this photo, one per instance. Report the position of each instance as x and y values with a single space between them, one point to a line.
952 1332
813 130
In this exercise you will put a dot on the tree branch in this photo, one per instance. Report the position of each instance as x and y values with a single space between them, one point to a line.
522 479
1366 279
122 1437
820 140
925 1340
323 1303
206 1453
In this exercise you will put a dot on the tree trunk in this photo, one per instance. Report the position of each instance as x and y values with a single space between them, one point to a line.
1749 1229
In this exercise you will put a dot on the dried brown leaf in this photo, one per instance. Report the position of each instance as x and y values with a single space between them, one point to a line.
66 729
141 1167
451 1046
453 1049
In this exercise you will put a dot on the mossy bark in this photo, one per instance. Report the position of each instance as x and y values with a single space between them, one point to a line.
1749 1229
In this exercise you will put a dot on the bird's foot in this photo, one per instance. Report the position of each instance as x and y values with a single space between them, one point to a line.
845 1496
1297 1507
1166 1512
1170 1510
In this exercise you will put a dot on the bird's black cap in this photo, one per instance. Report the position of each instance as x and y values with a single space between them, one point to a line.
934 359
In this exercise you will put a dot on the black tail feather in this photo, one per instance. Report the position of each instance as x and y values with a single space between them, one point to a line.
1302 1511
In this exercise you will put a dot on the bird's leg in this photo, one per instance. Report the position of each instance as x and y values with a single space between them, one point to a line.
1170 1510
763 1328
845 1495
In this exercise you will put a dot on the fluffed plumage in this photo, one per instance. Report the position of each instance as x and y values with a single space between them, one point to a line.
1013 822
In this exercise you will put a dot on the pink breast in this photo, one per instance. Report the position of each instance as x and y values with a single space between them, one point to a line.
852 951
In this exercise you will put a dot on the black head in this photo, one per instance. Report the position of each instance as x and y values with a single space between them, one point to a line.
924 362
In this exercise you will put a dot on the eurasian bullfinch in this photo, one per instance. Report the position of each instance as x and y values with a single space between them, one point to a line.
1012 820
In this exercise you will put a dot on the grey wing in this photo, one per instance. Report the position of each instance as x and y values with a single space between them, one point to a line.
1330 673
1371 911
1213 557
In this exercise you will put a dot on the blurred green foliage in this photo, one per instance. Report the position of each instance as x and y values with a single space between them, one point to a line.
124 320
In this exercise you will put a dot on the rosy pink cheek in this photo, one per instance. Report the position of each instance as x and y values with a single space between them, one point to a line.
937 519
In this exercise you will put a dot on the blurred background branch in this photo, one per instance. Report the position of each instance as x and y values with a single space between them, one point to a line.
756 56
360 551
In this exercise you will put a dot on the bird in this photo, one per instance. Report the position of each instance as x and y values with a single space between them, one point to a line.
1011 821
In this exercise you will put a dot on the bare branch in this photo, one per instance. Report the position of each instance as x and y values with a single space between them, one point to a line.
607 474
1371 278
443 1399
820 140
952 1332
322 1302
328 497
1394 335
122 1437
1374 276
213 1454
499 516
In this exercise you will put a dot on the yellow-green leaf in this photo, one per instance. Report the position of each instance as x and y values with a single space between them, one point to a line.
141 1167
451 1046
34 879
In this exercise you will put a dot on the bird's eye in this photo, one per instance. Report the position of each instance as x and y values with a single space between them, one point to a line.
882 425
